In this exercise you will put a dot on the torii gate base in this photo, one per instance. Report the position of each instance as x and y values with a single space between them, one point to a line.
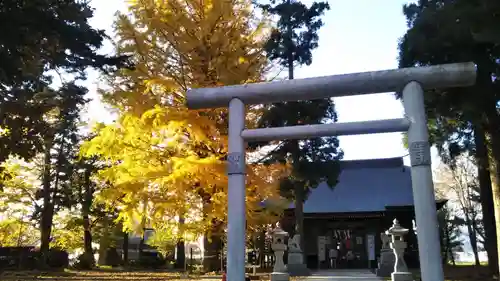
412 82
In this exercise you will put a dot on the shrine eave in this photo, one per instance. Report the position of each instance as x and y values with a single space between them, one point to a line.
363 215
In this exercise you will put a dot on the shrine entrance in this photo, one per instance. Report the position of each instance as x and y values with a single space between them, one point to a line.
410 81
337 245
343 249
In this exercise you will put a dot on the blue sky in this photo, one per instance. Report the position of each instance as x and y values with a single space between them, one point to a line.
359 35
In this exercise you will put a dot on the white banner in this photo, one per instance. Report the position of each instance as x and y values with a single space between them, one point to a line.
370 246
321 248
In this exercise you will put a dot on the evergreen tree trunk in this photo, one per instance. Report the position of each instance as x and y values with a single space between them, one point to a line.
299 214
292 42
489 106
299 190
87 234
290 45
49 192
299 194
486 195
87 243
495 187
47 212
493 130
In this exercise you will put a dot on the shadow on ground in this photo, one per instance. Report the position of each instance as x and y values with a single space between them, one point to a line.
341 275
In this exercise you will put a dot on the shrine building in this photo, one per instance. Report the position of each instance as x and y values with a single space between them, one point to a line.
350 217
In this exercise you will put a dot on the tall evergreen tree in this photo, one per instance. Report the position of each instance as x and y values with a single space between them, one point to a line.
60 143
84 190
464 118
314 160
39 36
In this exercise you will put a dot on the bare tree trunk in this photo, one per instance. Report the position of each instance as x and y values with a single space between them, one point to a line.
474 231
452 257
472 238
470 218
450 254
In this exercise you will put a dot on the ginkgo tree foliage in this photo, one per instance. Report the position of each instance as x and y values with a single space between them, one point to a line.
17 203
167 161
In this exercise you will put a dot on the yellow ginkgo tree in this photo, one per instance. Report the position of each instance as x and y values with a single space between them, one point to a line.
168 162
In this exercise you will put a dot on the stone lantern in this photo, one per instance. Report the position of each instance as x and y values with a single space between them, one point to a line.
398 245
279 247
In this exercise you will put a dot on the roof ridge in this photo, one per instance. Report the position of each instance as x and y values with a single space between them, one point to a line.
393 162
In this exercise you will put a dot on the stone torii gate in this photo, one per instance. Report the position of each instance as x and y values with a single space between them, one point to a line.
411 81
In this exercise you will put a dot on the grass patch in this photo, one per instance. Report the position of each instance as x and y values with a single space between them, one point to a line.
462 263
463 272
101 276
112 275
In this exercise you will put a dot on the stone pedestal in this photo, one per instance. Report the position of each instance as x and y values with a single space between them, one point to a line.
296 265
279 265
401 276
280 276
386 263
295 258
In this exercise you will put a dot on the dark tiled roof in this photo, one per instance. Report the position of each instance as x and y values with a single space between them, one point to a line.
364 186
